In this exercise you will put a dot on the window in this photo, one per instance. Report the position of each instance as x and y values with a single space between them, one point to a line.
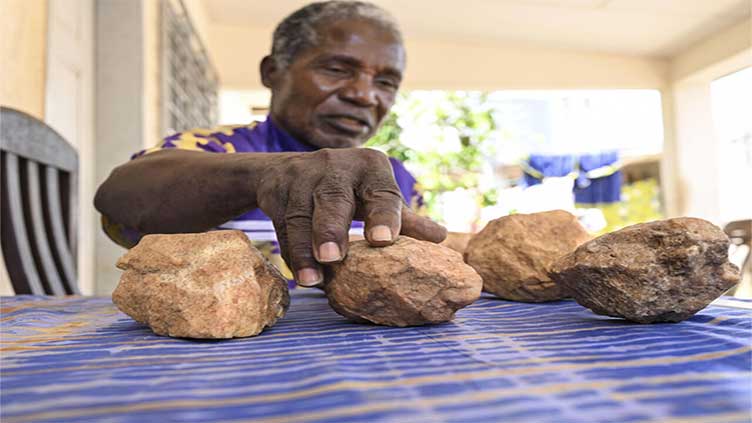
189 81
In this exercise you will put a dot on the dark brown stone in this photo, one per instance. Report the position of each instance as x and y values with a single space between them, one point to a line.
662 271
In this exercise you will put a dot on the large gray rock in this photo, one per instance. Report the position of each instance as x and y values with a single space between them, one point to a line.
207 285
663 271
514 253
408 283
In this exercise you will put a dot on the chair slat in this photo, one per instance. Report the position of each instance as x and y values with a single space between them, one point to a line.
72 197
60 247
16 246
40 242
39 205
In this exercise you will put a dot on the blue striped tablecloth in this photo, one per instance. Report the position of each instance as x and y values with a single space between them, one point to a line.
80 359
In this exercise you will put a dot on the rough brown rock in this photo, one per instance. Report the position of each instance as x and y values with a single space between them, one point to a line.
514 253
663 271
408 283
207 285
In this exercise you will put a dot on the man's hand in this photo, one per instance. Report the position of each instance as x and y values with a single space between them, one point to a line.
313 197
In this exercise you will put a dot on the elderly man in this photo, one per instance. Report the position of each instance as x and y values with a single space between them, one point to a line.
334 72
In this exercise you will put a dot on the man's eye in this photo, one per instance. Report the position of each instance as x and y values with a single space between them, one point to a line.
336 70
388 83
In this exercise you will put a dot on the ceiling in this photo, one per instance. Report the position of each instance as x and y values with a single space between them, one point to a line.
655 28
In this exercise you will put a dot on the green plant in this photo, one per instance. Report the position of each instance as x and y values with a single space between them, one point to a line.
444 139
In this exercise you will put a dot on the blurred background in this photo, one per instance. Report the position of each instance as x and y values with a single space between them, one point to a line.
620 111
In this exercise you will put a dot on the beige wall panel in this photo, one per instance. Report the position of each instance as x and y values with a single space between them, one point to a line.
23 51
23 38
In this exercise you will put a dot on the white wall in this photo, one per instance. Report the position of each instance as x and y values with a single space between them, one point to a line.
697 165
124 98
731 98
69 109
152 61
708 58
696 156
237 52
500 66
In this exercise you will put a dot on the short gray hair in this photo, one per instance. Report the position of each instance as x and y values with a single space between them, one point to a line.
299 31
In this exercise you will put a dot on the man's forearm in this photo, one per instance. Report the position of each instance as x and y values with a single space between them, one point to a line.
173 191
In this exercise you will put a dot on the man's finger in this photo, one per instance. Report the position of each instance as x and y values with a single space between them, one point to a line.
298 220
422 228
333 209
382 210
380 200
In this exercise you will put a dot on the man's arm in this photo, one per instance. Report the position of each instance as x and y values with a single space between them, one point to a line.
174 190
310 197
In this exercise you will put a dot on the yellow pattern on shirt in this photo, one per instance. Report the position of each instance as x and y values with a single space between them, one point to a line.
195 138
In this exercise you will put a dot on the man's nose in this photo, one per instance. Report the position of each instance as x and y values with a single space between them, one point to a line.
360 91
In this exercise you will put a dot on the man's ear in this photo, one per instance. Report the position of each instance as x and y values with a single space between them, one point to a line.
269 71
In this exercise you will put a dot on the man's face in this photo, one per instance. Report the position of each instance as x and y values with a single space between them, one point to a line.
337 93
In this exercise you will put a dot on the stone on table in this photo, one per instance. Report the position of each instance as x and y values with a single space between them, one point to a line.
514 253
206 285
662 271
408 283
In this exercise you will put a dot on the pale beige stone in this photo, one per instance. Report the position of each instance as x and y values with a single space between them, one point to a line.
408 283
514 253
662 271
206 285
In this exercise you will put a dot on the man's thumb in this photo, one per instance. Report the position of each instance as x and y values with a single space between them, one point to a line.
420 227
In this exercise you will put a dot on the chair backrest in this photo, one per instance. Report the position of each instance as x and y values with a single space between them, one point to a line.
740 233
39 206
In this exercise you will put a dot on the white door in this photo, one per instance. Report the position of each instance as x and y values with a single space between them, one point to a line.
69 107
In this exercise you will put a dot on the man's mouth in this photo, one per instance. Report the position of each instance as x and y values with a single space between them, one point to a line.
348 124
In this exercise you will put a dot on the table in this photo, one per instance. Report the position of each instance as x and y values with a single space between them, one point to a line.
79 359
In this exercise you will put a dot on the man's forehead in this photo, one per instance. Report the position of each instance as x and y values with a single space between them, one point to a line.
360 40
364 30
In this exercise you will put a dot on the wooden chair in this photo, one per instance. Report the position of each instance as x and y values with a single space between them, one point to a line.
39 206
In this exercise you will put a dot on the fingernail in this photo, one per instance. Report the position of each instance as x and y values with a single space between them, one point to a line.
309 277
381 233
329 251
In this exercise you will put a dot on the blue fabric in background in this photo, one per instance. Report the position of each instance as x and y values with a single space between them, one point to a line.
600 190
549 166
